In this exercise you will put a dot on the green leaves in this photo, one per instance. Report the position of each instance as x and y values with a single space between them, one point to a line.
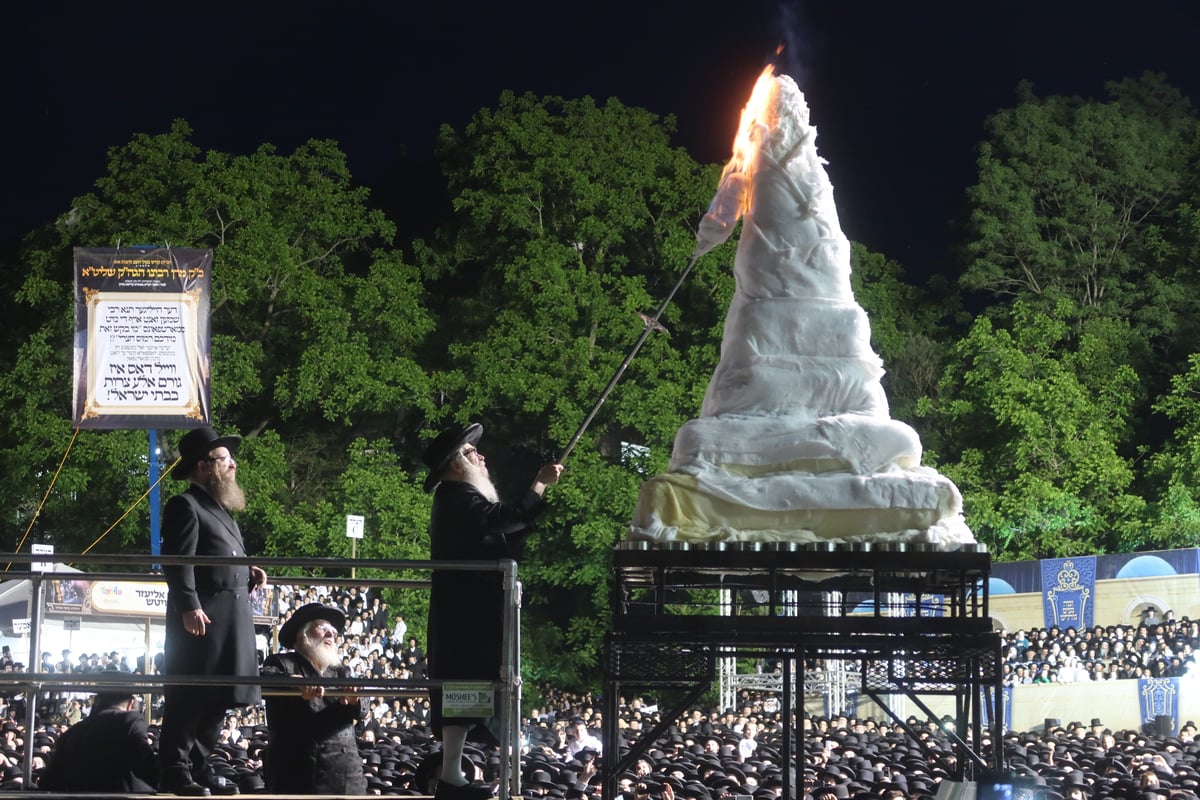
1070 198
1038 458
1080 235
1065 409
330 350
315 323
571 220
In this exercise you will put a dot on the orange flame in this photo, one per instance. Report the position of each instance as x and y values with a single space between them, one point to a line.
733 196
754 122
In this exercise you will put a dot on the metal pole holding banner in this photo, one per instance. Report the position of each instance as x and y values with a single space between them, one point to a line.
155 517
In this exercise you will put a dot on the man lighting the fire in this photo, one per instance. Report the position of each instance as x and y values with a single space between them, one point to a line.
468 523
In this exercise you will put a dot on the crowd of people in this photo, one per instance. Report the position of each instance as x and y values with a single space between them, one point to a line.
707 754
218 738
1159 646
213 659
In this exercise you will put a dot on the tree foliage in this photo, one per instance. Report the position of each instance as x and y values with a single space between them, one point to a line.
1083 270
1176 516
904 328
314 319
1065 410
336 358
1072 200
1036 457
571 220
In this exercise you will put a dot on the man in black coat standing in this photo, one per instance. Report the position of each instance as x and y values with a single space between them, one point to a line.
469 523
313 748
209 625
108 751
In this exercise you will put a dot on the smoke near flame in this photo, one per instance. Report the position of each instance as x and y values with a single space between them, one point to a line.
732 199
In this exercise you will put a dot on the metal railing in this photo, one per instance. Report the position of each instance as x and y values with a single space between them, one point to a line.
33 682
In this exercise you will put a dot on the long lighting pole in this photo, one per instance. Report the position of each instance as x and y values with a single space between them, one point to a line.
649 325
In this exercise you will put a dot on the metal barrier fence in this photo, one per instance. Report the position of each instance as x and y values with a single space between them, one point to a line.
33 681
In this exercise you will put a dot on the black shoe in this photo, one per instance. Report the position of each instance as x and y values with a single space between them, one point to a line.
220 785
468 791
182 786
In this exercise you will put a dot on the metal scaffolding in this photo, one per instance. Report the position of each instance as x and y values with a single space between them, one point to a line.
887 622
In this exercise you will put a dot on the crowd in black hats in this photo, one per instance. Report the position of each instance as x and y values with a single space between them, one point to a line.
1157 646
719 754
706 756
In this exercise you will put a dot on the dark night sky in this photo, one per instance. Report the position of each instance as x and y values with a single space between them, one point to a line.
899 90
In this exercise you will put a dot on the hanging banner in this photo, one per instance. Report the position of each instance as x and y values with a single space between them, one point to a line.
1160 703
1122 588
141 338
1068 589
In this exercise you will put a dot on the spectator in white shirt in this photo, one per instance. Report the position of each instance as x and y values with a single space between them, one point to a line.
581 738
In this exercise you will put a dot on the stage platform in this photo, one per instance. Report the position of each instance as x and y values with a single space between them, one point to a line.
907 620
775 588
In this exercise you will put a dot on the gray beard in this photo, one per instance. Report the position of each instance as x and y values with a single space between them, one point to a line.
225 490
476 476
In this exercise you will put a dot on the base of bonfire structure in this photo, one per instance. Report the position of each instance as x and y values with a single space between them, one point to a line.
904 621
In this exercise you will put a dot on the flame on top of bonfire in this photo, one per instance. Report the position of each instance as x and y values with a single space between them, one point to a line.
754 122
732 199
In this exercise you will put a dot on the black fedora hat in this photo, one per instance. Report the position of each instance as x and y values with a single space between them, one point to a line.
306 614
113 687
443 448
197 444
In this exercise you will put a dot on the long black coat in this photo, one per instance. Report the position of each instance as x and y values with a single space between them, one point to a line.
107 752
194 524
313 749
465 615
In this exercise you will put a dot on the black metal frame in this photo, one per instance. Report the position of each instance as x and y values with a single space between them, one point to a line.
911 620
318 570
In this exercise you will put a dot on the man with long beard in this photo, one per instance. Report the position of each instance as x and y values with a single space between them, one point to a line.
313 749
209 625
468 523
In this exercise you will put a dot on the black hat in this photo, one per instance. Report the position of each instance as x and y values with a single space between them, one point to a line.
251 783
197 444
443 448
306 614
112 688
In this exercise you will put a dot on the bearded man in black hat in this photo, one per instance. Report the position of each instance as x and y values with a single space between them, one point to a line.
209 624
469 523
313 749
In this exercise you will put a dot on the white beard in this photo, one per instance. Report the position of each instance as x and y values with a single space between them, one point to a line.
477 476
320 654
